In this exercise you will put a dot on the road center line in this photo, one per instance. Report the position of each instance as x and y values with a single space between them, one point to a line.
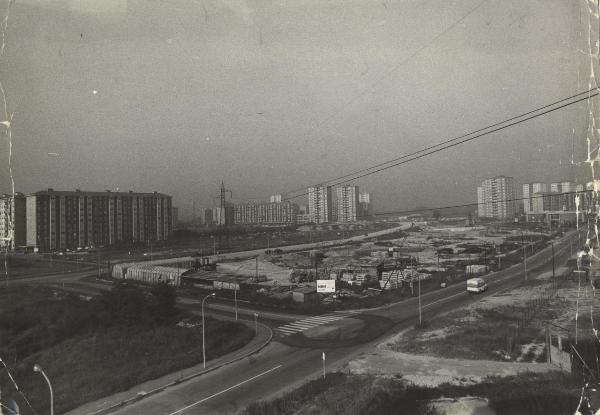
179 411
444 299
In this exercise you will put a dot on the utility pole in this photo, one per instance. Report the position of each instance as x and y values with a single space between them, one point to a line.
524 254
256 273
420 321
553 266
235 288
484 255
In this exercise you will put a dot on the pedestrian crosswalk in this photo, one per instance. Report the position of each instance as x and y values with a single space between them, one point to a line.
310 322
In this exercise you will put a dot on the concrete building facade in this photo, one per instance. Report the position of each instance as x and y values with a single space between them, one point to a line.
223 216
528 190
72 219
347 203
12 221
365 205
276 213
320 204
495 198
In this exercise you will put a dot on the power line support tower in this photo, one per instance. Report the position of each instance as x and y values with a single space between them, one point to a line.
223 222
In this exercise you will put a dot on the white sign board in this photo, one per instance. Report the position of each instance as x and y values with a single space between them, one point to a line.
325 286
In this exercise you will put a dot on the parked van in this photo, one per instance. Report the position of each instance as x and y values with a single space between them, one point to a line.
476 285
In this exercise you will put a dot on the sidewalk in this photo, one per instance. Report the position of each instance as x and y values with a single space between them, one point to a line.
109 403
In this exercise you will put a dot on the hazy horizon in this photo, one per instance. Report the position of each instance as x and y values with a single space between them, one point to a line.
176 97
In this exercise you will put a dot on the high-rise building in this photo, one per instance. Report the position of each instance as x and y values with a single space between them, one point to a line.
347 206
495 198
528 190
223 216
208 217
266 213
565 200
175 220
320 204
365 205
480 202
12 221
65 219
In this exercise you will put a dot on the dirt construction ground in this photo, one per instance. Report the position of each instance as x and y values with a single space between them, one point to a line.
471 343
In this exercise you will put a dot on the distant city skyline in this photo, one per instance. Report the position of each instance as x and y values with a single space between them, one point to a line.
275 97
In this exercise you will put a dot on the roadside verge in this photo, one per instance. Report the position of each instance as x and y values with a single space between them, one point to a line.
118 400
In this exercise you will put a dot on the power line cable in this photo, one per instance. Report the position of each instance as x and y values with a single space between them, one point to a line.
17 386
452 139
402 63
454 142
515 199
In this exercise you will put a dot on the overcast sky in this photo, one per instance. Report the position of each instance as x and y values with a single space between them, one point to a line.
269 96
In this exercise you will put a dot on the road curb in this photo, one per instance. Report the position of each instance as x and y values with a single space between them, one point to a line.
139 396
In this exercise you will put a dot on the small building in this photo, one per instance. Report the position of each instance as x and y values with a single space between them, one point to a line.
155 274
306 295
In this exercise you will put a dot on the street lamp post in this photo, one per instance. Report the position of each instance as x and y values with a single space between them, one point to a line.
256 323
38 368
203 341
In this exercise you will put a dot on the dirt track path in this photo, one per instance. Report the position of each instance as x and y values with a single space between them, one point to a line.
433 371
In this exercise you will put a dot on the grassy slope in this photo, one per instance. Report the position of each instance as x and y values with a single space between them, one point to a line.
89 363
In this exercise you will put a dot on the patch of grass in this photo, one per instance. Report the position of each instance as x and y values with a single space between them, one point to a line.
89 353
492 332
531 394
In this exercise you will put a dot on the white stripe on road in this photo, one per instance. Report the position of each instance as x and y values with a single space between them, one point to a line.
444 298
179 411
322 319
302 326
287 331
311 322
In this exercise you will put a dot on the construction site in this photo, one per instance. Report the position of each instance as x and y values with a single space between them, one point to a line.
414 250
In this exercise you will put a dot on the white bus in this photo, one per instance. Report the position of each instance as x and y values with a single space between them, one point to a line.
476 285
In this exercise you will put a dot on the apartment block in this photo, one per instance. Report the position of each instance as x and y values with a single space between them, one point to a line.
72 219
347 203
12 221
365 205
528 190
276 213
320 204
223 216
495 198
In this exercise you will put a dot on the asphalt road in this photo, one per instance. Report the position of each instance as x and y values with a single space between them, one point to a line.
279 368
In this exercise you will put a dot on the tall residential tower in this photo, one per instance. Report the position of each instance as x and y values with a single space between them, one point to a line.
320 204
347 206
495 198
